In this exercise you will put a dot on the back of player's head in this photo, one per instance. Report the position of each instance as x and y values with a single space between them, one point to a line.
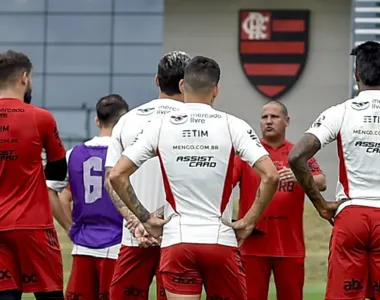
367 63
202 75
170 71
110 108
13 65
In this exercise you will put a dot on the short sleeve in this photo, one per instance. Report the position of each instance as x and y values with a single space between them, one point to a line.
245 141
145 145
314 166
50 136
59 186
327 126
115 148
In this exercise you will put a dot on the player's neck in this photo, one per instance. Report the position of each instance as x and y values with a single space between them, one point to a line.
105 132
8 94
177 97
275 142
195 98
369 88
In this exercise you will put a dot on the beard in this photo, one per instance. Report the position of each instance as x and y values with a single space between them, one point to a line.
28 96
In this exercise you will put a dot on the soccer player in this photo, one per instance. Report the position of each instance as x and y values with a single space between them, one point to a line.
277 245
30 256
196 148
97 228
354 124
136 267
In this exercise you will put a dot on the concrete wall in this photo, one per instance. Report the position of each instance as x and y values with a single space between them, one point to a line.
210 28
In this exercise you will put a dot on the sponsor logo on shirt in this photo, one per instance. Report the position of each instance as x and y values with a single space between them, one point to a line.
164 109
254 137
145 111
371 147
195 147
201 118
366 132
6 155
4 128
200 161
360 105
371 119
318 122
178 119
190 133
376 103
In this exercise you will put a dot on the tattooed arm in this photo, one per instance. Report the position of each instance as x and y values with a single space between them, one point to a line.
119 205
305 149
119 179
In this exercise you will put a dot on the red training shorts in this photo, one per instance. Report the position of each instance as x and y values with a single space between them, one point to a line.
30 261
289 275
90 278
185 267
354 254
134 272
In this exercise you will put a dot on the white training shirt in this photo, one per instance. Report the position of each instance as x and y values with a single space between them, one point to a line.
355 124
58 186
146 181
196 147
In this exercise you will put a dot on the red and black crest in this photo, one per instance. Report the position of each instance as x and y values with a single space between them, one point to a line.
273 47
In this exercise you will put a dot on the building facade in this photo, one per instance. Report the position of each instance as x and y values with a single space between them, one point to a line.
211 28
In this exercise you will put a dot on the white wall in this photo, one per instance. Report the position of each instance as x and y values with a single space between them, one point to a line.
210 27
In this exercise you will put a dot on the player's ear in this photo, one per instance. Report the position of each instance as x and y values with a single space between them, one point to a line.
97 122
287 121
156 80
357 78
25 78
181 85
215 91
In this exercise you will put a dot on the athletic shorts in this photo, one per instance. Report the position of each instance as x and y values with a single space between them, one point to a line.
354 254
30 261
90 278
134 272
288 272
186 267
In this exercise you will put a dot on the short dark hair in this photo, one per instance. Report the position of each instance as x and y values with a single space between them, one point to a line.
368 62
110 108
170 71
282 105
12 65
202 74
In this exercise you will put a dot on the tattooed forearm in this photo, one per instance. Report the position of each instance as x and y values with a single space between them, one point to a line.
159 213
119 205
306 148
138 209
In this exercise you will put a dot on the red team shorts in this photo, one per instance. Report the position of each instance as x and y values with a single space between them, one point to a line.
355 255
90 278
288 272
186 267
30 261
134 272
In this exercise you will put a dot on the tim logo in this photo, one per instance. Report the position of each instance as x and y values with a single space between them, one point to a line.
178 119
273 47
132 291
360 105
371 119
353 285
73 296
145 111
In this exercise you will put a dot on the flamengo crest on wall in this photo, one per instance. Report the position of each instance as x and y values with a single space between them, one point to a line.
273 48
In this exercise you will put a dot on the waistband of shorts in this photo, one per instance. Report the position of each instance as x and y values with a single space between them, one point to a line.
359 202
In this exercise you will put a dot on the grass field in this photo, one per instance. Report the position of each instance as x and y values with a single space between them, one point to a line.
317 235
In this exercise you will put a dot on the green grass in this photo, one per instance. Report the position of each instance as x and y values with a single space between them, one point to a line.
317 234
